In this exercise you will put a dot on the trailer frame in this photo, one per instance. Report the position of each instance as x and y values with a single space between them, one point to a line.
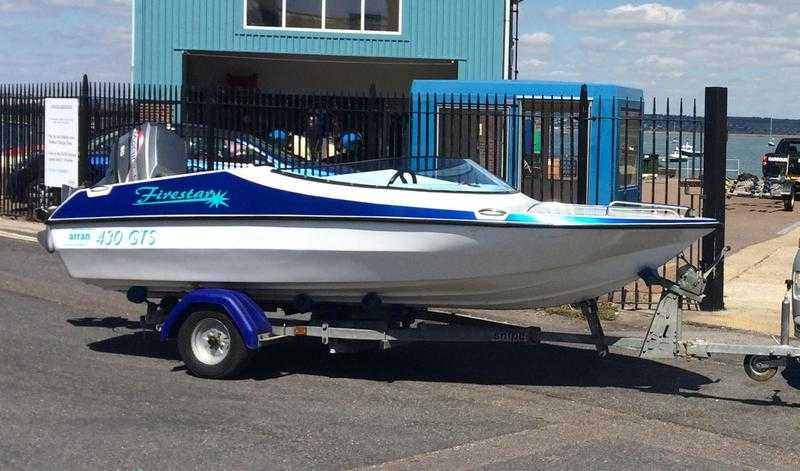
372 325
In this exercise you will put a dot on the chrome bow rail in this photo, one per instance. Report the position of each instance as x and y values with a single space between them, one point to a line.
648 208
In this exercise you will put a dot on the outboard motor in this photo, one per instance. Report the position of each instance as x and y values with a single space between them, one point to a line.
149 151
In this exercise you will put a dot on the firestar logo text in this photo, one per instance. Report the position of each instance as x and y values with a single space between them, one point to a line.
153 195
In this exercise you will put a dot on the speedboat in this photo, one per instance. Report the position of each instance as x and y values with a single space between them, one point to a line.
426 232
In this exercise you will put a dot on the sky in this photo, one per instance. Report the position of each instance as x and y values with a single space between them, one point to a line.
670 48
58 40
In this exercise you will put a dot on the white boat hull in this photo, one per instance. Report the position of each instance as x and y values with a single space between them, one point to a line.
408 263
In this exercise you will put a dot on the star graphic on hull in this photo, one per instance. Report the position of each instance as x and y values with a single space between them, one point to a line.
218 200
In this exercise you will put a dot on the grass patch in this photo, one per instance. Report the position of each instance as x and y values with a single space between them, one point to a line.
606 311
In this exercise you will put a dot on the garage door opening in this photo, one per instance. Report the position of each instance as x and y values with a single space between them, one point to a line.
311 74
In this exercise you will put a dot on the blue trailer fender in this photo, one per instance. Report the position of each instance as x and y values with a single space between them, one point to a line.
243 311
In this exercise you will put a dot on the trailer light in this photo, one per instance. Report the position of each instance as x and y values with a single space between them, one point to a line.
300 331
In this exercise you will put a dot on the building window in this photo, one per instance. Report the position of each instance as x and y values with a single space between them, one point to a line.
630 130
265 13
366 16
304 14
343 15
381 15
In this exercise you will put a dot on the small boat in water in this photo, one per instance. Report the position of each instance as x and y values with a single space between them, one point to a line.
419 232
684 153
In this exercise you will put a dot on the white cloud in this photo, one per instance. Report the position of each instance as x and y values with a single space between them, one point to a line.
704 15
532 63
602 43
27 6
14 6
555 12
635 17
662 67
790 58
661 62
50 43
539 39
670 50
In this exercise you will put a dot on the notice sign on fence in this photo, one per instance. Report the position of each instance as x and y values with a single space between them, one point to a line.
61 142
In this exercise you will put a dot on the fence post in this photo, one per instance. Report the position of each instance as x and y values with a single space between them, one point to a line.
714 164
583 145
84 122
372 125
211 118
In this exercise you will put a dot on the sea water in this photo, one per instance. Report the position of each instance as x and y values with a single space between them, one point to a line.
744 151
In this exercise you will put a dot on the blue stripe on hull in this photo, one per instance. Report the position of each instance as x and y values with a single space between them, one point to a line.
224 194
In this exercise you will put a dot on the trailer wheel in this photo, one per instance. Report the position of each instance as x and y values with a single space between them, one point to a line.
788 203
758 372
211 346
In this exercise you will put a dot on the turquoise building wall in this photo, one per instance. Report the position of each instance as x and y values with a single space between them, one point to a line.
471 32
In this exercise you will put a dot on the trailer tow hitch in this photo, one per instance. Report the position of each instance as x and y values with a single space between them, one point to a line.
664 338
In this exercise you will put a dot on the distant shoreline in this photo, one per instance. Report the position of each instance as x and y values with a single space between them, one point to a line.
777 137
736 124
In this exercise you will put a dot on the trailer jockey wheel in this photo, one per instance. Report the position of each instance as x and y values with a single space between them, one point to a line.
211 346
758 368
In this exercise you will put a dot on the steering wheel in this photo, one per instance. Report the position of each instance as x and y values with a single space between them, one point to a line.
401 175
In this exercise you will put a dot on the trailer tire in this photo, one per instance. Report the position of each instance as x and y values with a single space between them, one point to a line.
211 346
757 372
788 202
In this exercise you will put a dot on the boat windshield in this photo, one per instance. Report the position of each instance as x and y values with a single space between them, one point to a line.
419 173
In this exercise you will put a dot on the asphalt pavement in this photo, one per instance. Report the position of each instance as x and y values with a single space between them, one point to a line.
81 386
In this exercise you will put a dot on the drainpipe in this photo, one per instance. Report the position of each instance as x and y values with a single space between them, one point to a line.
507 42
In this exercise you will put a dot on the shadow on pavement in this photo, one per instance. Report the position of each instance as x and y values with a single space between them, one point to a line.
449 363
106 323
140 342
542 365
792 376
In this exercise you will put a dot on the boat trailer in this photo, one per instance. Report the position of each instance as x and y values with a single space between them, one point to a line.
206 323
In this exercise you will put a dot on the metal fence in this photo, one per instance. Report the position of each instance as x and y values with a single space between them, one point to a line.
545 146
533 144
672 143
22 145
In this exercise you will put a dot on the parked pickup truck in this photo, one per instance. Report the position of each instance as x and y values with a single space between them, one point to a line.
782 172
